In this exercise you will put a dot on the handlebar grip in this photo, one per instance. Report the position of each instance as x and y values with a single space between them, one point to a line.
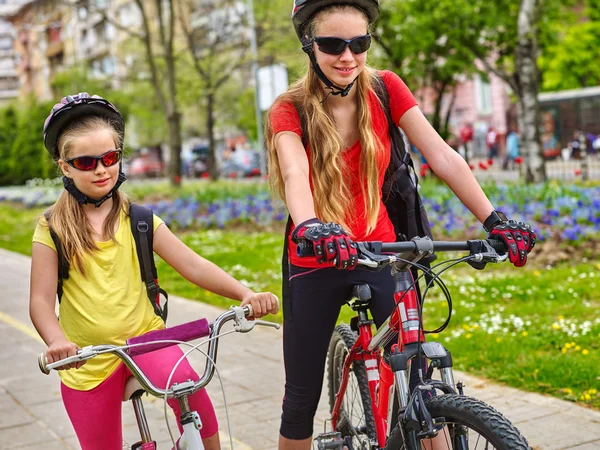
46 368
42 361
305 248
498 245
184 332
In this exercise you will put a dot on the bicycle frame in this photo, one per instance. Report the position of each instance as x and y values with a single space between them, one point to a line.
189 419
383 381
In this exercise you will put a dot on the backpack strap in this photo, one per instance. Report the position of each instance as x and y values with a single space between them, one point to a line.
400 154
63 264
142 220
285 272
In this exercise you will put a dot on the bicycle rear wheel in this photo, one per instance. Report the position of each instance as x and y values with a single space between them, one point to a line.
356 416
469 424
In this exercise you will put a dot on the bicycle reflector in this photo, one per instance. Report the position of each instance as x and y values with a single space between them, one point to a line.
433 350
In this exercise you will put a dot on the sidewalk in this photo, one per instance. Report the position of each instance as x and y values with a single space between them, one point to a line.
32 415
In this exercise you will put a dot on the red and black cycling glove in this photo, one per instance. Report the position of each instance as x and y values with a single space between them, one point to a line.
330 241
518 237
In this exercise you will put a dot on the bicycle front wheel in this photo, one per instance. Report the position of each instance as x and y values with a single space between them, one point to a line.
355 415
467 424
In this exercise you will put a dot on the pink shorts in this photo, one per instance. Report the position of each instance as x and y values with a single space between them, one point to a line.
96 414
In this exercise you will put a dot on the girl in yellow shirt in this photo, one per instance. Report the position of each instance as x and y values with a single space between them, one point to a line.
104 299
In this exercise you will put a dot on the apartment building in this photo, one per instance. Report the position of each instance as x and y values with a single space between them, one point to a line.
43 45
9 81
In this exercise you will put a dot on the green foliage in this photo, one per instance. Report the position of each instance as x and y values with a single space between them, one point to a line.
29 158
277 40
571 61
8 132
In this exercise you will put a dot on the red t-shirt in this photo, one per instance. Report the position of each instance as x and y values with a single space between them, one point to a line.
284 117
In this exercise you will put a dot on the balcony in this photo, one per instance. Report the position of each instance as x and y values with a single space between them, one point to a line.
54 48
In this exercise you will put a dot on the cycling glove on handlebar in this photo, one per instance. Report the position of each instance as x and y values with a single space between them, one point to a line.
331 242
518 237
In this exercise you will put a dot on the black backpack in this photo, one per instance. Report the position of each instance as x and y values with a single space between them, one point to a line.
143 234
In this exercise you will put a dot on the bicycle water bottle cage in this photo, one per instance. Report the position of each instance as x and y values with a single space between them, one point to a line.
331 441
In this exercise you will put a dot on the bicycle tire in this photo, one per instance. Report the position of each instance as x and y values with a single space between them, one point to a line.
342 340
473 414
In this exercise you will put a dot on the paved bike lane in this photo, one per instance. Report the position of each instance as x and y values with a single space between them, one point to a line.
250 365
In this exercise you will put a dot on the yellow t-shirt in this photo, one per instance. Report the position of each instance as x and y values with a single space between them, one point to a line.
107 306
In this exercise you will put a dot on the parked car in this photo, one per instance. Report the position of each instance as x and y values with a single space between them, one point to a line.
199 162
242 163
146 166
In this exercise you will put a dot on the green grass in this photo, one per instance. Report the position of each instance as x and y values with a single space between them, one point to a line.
534 328
202 190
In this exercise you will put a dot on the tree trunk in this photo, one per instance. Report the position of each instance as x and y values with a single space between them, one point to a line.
527 76
174 129
210 125
436 119
446 129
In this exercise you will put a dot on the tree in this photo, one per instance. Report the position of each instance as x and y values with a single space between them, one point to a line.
8 133
571 61
509 47
29 157
218 46
156 33
425 42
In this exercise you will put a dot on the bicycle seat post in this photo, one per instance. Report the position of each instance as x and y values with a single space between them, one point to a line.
134 391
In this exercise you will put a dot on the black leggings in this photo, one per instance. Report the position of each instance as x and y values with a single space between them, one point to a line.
316 297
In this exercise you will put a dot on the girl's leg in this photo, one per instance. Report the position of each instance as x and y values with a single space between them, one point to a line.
158 365
96 414
316 297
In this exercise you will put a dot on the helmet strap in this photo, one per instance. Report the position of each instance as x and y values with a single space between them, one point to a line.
83 199
333 89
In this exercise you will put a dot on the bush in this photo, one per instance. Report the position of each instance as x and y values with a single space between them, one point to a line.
8 132
29 158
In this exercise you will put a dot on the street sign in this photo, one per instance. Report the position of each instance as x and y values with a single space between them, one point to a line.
273 81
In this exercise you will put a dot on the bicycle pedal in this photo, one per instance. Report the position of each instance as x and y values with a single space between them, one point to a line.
331 441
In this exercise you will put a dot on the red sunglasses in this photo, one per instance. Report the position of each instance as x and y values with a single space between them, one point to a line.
110 158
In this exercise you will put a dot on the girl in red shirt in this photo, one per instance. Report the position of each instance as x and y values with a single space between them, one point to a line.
333 189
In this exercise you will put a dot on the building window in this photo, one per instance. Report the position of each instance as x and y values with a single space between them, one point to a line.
483 96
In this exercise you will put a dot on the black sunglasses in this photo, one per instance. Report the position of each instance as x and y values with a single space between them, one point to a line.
335 45
110 158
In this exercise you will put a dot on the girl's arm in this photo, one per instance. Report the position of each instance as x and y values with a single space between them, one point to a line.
208 275
293 164
446 163
42 300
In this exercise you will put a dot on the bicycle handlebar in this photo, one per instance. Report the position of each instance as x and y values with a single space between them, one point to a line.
372 253
168 337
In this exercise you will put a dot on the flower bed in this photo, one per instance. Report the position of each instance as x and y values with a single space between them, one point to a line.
566 212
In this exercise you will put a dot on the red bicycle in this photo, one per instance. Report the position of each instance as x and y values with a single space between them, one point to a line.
372 406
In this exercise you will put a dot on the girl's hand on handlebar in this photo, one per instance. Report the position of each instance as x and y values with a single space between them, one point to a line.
262 303
61 349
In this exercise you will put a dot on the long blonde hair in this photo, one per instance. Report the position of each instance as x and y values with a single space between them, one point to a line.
67 217
331 193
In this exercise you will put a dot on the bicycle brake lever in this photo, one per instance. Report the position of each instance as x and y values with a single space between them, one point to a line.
264 323
483 253
243 325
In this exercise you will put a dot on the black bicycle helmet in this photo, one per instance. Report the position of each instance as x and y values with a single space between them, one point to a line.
302 13
305 9
75 107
